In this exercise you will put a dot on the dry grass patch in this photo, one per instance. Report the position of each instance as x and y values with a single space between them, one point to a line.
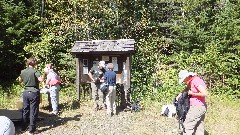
223 116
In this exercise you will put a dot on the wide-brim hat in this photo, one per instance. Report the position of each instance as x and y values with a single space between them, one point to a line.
184 74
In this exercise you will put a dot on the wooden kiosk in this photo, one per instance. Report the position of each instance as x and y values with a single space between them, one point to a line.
118 52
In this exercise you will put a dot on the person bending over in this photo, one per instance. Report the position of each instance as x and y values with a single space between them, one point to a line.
196 88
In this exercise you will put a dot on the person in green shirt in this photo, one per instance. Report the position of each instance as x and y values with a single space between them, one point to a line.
96 75
31 95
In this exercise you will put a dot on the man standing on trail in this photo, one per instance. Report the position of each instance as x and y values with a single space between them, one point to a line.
96 75
110 80
31 95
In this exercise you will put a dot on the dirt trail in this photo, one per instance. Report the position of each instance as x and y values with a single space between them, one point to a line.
86 121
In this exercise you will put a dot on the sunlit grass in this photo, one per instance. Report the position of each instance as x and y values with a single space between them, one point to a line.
223 116
223 113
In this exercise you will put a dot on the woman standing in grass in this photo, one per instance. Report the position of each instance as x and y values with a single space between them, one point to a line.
196 88
53 81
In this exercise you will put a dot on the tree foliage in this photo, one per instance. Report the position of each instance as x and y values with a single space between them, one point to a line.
208 40
19 26
170 35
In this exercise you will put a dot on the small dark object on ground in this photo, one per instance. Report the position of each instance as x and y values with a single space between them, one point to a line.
136 106
165 113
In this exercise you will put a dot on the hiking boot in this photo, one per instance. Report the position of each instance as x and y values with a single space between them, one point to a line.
105 107
22 131
33 133
114 113
96 109
54 112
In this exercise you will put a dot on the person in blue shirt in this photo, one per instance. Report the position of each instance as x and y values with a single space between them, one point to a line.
110 79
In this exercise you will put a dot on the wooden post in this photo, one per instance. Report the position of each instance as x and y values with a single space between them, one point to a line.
128 84
78 78
125 98
83 91
130 90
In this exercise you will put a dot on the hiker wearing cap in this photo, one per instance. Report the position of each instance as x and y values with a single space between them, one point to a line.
96 75
110 80
53 83
31 95
196 88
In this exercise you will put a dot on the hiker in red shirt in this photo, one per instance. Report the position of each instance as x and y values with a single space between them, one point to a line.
196 88
53 81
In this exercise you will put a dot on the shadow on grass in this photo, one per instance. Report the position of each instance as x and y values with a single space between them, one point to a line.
52 121
71 105
48 121
45 120
205 132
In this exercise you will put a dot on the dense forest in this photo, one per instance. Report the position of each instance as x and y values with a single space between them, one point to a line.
199 35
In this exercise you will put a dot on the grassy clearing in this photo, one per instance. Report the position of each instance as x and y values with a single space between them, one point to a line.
222 117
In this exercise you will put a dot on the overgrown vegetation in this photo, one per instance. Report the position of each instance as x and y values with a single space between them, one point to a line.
199 35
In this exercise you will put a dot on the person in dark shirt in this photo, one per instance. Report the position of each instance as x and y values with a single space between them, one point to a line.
96 74
31 95
110 79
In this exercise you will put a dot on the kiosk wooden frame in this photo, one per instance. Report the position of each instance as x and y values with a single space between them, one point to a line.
119 52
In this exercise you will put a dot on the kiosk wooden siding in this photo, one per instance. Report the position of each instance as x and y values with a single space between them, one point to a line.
118 52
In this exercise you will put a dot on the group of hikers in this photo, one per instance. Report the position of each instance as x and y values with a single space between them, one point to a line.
103 85
104 98
31 92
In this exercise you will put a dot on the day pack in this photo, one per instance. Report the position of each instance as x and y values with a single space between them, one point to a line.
182 107
136 106
103 87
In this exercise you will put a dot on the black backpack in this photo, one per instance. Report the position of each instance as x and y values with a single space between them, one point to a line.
182 107
136 106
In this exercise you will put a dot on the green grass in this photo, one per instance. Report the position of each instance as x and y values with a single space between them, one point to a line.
223 113
223 116
9 96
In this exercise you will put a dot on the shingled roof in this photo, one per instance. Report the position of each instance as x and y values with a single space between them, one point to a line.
96 46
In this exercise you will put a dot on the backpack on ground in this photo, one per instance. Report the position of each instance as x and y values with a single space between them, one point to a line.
136 106
182 107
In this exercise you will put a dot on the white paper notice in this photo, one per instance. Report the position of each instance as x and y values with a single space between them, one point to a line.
114 59
85 70
115 67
